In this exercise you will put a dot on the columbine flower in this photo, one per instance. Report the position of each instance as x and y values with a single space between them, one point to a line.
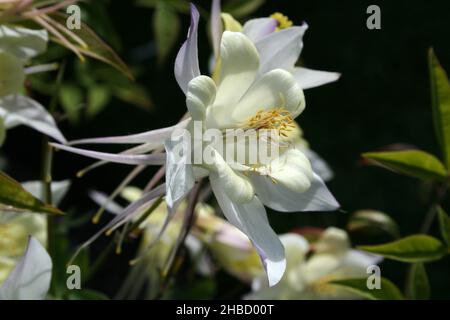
311 268
246 98
278 42
241 99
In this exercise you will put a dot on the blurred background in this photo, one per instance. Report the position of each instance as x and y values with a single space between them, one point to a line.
382 98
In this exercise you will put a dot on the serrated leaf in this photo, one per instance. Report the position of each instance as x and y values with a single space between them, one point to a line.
239 8
371 219
413 163
444 225
418 287
96 47
166 26
14 195
412 249
388 290
440 100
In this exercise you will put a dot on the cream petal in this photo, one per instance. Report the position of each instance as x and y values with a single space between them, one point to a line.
200 95
179 175
296 247
275 89
251 219
280 49
239 65
256 29
237 187
293 170
308 78
281 198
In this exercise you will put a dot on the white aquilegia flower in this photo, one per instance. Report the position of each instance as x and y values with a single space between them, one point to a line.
243 98
278 41
311 268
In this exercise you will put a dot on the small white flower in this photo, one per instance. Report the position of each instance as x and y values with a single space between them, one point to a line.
311 267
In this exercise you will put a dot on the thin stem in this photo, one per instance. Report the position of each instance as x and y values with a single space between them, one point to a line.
46 170
189 222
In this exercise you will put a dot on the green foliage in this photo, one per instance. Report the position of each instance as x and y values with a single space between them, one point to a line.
388 290
412 249
413 163
14 195
418 287
71 98
444 225
368 220
440 97
95 47
166 26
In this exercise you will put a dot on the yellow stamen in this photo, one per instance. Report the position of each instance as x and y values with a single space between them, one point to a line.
283 21
278 119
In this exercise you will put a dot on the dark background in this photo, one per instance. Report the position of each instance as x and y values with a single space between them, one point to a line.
382 98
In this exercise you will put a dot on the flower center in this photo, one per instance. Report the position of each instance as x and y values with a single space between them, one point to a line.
276 119
283 21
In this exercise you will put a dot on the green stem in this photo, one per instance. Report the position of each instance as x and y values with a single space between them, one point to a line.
46 170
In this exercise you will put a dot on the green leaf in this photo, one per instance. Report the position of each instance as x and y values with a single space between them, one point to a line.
413 163
412 249
239 8
98 98
14 195
418 287
166 26
371 219
388 290
96 47
440 101
72 99
444 225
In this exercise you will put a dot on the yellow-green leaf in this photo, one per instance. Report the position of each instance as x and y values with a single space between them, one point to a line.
166 26
444 225
387 291
418 287
440 101
412 249
14 195
413 163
